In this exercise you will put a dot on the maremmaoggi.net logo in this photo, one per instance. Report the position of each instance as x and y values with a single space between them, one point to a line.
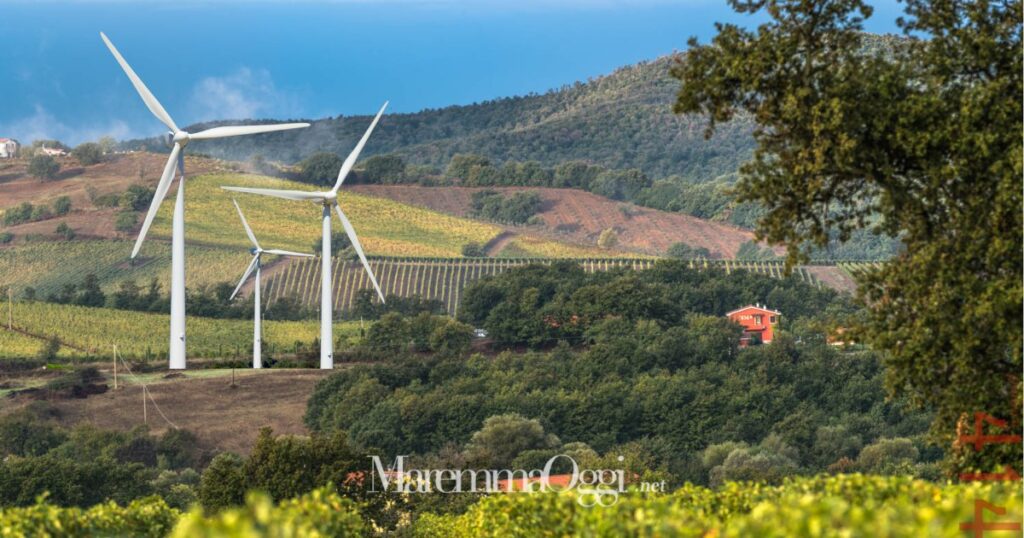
593 486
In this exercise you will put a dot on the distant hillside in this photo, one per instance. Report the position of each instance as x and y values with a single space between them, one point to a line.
580 217
622 120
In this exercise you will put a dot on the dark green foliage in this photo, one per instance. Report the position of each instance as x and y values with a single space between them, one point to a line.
503 437
539 305
88 153
383 169
284 467
473 250
136 198
682 251
918 140
320 168
65 231
223 482
43 167
366 305
18 214
339 242
62 205
6 237
516 208
126 221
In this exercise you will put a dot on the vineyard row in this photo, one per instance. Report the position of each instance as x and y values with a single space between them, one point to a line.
444 279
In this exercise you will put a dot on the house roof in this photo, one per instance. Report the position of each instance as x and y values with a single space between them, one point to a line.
755 307
8 140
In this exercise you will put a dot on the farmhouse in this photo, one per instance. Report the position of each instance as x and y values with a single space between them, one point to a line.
54 152
8 148
758 323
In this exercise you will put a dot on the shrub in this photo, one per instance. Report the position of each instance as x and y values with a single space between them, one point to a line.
65 231
473 250
88 153
320 168
125 221
62 205
6 237
43 167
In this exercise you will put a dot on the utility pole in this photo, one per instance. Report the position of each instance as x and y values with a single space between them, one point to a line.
115 366
10 308
145 416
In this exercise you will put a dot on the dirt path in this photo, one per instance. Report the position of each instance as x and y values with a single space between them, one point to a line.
498 243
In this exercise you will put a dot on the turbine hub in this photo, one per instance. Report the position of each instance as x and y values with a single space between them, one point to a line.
330 196
181 138
254 251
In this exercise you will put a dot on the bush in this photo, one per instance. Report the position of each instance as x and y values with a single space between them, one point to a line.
6 237
473 250
88 153
887 455
18 214
683 251
321 512
43 167
65 231
320 168
62 205
126 221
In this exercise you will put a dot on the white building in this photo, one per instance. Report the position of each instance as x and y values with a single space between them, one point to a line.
55 152
8 148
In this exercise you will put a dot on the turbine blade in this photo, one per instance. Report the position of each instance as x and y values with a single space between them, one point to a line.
147 96
346 167
248 230
288 253
248 271
158 197
238 130
286 194
351 232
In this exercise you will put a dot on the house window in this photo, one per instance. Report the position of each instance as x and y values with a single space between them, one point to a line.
757 319
771 319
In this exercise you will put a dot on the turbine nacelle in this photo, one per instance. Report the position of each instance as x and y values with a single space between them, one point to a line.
181 138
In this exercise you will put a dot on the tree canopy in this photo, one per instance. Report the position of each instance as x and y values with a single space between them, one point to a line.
920 141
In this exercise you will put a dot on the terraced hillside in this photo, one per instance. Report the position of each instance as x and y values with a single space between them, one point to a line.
444 279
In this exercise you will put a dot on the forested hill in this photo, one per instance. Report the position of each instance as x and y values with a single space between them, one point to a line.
622 120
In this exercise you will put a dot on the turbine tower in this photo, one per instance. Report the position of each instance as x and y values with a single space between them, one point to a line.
329 199
257 253
178 140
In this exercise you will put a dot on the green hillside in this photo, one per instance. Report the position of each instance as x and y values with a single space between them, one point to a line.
622 120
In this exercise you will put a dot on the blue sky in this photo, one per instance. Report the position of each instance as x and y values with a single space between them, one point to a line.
234 59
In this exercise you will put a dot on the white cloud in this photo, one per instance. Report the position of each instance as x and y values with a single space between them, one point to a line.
245 94
44 125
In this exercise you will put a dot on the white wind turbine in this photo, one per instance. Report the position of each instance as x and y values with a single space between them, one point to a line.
329 199
257 253
178 139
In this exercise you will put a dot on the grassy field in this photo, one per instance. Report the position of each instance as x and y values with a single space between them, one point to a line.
385 227
94 332
48 266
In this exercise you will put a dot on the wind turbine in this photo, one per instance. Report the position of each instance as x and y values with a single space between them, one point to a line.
178 139
257 253
329 199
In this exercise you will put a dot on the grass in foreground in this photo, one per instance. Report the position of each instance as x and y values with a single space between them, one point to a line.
845 505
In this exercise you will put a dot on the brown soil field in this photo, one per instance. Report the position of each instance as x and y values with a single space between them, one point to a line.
576 216
223 417
111 176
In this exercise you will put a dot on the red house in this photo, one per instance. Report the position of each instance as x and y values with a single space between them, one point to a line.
758 323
